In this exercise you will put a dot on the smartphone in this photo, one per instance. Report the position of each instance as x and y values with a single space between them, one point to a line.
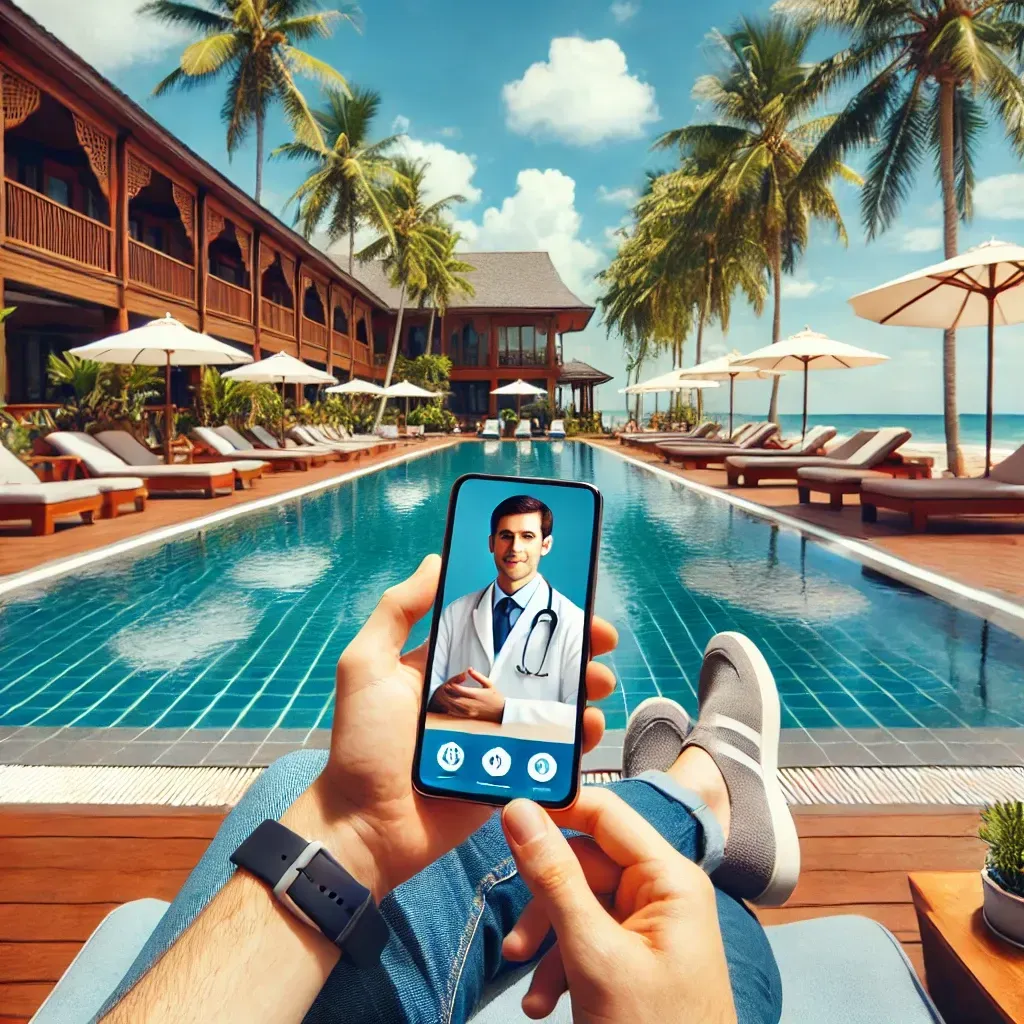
504 688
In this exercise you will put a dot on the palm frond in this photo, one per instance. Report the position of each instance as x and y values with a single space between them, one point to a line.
210 55
184 15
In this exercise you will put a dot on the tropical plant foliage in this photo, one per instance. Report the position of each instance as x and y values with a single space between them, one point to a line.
1002 829
240 403
426 371
252 44
99 395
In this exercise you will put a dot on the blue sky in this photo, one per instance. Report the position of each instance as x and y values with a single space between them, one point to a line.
542 116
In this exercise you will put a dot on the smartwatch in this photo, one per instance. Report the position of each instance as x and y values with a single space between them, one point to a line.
316 889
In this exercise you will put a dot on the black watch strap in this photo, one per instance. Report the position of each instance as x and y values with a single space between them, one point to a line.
317 889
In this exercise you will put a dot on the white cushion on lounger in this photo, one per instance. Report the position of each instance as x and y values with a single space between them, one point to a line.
1011 469
126 447
101 461
14 471
232 436
942 489
47 494
115 483
264 437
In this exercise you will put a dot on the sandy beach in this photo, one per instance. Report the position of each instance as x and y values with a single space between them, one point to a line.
974 456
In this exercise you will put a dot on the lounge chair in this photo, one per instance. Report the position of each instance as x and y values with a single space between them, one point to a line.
557 431
684 452
265 439
867 449
833 481
491 431
703 431
308 439
350 443
126 447
100 462
523 430
389 431
693 457
1000 493
219 445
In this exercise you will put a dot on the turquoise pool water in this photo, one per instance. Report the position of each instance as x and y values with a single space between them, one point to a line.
241 627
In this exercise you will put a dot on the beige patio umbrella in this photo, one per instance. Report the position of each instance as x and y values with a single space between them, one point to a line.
406 389
355 387
980 287
519 388
674 380
165 342
726 368
809 350
282 369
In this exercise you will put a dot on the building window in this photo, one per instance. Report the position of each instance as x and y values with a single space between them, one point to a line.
468 347
340 320
469 397
417 341
153 236
521 346
312 307
58 189
361 335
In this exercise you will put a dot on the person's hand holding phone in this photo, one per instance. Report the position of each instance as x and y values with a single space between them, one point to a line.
384 831
636 922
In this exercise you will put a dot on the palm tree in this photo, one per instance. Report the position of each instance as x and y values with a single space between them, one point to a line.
934 67
413 238
444 281
251 42
350 171
765 98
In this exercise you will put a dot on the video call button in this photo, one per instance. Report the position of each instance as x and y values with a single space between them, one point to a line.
496 762
450 756
542 767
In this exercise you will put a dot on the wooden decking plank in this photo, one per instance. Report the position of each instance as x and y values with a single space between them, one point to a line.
25 922
89 885
897 823
890 853
115 854
841 888
35 961
19 1000
127 822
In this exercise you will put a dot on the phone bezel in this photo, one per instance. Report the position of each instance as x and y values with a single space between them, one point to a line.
497 800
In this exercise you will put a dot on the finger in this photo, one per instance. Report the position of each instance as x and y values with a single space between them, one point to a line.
550 869
481 679
546 986
469 693
604 637
401 606
600 681
619 830
593 728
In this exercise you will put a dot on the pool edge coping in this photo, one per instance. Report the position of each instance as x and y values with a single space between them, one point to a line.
1000 610
62 566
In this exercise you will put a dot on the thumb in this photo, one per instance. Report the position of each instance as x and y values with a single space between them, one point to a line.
553 874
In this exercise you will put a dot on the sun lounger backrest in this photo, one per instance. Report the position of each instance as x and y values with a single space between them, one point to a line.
221 445
1011 469
854 443
879 447
14 471
557 427
126 447
307 435
741 432
816 437
264 436
234 438
757 437
320 435
491 429
704 429
97 459
523 428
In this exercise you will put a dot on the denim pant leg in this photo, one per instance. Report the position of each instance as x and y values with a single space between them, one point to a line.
448 922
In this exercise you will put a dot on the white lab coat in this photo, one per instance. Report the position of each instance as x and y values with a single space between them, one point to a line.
465 639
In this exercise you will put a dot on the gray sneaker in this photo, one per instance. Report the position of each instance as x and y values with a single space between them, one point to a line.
738 728
655 735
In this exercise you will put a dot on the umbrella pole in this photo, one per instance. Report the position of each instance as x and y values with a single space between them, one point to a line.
167 410
803 433
732 386
282 412
988 397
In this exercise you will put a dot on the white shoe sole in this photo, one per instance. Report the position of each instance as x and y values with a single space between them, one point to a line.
786 871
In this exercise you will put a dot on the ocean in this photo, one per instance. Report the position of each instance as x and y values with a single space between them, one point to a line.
1007 430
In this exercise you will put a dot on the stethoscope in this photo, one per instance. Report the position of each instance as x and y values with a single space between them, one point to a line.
545 615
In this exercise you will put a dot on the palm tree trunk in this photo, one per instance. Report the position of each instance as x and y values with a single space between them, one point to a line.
259 155
395 342
430 331
954 457
705 301
773 405
351 240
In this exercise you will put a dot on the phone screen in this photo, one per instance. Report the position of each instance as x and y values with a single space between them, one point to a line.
509 643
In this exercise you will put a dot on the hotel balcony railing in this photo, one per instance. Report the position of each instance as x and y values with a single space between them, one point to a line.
279 319
380 359
314 334
160 272
523 358
228 299
38 221
342 345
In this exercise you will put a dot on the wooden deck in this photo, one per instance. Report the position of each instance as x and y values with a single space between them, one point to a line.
987 553
64 869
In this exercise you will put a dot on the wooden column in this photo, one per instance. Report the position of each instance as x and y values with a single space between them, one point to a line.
551 360
257 290
119 212
330 327
3 198
201 257
300 302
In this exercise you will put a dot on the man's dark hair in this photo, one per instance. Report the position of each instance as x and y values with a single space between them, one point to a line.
519 504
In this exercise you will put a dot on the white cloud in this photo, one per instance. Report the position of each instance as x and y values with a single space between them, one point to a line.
400 125
921 240
449 172
624 195
450 132
541 215
623 10
792 288
109 34
1000 197
583 94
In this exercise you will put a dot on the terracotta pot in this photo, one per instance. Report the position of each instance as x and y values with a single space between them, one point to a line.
1003 911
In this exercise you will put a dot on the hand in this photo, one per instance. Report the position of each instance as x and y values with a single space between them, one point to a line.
484 702
372 819
635 921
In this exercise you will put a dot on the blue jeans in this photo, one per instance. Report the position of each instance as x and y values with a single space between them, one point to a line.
447 923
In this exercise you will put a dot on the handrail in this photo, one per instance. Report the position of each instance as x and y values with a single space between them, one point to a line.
167 256
220 280
60 206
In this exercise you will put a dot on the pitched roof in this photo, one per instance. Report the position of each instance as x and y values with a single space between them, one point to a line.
576 372
501 280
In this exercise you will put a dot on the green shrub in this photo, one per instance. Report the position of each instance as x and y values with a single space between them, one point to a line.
432 416
1002 830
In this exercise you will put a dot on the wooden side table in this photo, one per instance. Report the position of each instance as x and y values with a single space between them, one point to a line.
55 467
972 976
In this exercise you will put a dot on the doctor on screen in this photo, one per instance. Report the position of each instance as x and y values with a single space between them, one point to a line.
511 653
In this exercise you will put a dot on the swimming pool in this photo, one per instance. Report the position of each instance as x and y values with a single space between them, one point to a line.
240 627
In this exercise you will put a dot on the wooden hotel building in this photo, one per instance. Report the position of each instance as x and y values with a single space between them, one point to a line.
107 220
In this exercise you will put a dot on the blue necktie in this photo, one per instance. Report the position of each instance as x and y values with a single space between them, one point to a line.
502 622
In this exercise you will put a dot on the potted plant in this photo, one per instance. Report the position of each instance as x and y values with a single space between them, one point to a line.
510 419
1002 830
